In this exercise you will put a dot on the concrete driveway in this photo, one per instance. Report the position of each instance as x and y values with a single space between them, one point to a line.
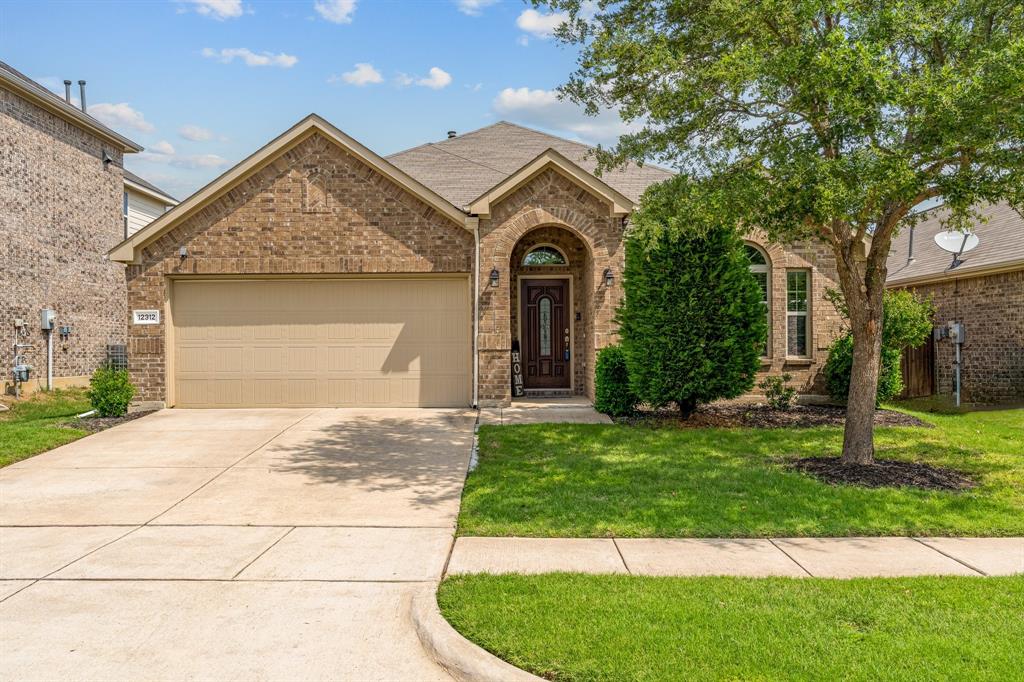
230 544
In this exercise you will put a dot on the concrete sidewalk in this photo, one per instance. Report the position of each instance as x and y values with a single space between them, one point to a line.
793 557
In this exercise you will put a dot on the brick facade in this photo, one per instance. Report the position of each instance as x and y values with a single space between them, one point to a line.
991 308
61 213
825 323
550 208
317 209
314 210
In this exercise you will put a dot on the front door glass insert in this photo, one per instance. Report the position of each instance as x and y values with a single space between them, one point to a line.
544 322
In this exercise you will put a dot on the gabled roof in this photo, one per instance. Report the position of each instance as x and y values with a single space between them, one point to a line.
464 167
619 205
37 94
1000 247
126 251
135 182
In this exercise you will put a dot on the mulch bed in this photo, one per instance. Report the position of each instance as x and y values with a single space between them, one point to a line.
883 473
96 424
725 415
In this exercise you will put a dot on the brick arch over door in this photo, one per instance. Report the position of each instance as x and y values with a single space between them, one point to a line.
550 200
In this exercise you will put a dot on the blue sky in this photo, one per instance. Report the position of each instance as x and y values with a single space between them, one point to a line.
203 83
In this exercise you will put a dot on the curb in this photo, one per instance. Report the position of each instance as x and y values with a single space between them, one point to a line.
460 658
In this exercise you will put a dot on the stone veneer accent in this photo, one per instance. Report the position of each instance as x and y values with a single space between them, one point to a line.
991 309
61 213
313 210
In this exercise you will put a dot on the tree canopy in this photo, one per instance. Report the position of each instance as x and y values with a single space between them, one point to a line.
826 119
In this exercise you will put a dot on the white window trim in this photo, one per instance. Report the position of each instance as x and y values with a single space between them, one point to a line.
806 314
767 269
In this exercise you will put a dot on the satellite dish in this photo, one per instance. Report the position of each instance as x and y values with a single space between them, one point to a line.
956 242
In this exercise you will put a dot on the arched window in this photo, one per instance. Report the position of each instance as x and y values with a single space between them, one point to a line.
544 255
761 268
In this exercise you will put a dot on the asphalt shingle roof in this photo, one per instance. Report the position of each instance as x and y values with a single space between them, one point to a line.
462 168
128 175
1000 241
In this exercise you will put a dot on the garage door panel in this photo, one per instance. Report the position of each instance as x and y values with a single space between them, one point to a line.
379 342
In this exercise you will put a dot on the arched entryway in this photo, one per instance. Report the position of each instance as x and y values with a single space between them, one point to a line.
549 313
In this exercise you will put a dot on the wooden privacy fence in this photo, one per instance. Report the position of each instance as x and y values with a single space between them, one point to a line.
918 365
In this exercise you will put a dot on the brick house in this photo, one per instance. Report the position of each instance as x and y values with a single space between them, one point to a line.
317 272
61 188
985 294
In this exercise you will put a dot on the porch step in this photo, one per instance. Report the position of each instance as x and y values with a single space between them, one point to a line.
548 393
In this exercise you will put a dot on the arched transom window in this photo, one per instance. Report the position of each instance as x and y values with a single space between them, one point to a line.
761 269
544 255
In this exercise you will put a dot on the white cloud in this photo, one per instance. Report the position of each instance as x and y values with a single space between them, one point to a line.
185 160
475 87
438 78
363 74
335 11
163 147
473 7
195 133
543 109
229 54
540 25
403 80
219 9
121 116
523 40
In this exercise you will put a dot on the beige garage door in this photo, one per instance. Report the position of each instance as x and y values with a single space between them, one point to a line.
297 343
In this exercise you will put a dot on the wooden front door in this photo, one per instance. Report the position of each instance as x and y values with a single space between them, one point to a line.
544 324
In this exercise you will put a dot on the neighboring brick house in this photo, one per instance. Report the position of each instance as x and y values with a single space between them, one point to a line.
985 294
61 190
319 273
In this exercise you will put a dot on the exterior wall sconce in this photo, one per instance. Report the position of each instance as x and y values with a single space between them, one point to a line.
183 253
495 275
609 277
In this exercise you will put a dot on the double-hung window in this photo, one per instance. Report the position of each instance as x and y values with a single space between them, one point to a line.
797 290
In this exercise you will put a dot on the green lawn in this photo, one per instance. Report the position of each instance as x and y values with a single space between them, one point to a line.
30 427
553 480
575 627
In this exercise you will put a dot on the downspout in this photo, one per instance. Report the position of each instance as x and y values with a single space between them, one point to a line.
475 223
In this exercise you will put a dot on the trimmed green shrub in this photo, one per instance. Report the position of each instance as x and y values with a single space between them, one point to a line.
840 364
612 393
906 322
776 392
110 391
692 322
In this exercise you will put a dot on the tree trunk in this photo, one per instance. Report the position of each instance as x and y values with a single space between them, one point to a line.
858 436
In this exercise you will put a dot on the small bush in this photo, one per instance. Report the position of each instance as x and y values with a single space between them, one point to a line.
612 394
840 364
110 391
776 392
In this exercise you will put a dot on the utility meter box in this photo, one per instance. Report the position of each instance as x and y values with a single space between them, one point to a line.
956 332
47 318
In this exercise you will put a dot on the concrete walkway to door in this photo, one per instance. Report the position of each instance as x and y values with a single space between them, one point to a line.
242 544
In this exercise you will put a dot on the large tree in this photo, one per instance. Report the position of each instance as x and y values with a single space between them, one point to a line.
831 120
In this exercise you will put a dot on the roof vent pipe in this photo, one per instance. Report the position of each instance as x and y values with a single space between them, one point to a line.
81 90
451 134
910 248
67 91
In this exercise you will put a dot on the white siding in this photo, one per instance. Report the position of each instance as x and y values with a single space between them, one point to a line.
142 210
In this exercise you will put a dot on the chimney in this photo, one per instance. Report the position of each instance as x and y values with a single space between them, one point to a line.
451 134
81 90
67 91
